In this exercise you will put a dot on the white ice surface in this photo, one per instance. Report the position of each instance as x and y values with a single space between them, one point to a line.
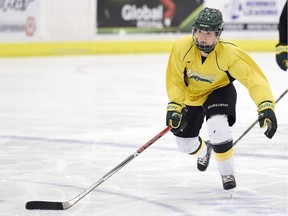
66 121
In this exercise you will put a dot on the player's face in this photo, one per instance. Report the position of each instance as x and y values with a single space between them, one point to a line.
205 37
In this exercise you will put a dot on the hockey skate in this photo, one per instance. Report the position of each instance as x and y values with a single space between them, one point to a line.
228 182
203 162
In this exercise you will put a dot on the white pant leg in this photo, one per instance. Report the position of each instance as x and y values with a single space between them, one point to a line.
219 134
187 145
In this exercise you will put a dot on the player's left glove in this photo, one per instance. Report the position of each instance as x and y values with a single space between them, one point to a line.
266 117
282 56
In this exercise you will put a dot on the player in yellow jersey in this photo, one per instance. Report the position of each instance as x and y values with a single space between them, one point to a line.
199 82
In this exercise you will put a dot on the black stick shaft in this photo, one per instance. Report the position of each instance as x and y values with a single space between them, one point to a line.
50 205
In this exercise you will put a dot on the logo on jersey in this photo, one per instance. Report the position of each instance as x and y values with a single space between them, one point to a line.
200 77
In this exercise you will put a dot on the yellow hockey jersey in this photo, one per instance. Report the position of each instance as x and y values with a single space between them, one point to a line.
189 81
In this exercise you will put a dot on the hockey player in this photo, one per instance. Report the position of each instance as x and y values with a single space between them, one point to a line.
281 47
199 82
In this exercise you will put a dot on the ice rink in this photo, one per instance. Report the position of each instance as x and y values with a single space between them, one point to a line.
66 121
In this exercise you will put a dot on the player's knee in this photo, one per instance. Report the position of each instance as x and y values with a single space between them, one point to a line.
218 129
220 137
187 145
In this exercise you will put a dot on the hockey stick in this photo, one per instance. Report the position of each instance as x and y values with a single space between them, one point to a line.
50 205
255 122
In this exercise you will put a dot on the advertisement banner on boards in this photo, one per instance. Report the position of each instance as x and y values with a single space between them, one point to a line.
19 19
134 16
249 15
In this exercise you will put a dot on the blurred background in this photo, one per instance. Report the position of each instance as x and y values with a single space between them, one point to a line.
82 85
65 27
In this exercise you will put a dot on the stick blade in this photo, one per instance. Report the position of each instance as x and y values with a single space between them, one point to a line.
44 205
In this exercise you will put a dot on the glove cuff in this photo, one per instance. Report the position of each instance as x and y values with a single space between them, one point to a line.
266 105
172 106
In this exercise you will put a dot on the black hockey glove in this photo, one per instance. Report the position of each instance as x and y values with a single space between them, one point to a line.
282 56
174 117
266 116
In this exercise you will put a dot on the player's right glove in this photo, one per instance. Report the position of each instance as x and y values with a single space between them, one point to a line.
282 56
266 116
174 117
